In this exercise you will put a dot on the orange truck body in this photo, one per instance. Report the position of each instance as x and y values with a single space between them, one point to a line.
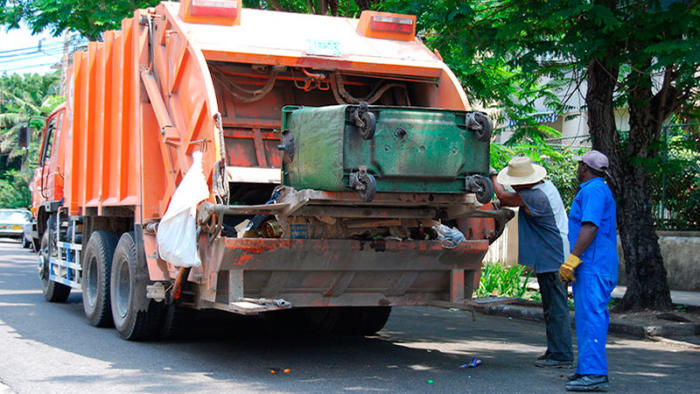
143 100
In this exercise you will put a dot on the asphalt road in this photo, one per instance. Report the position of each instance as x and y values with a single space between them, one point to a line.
47 348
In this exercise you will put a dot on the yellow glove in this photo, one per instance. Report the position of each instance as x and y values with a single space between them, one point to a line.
566 271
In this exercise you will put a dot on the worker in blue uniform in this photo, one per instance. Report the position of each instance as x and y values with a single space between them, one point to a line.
592 267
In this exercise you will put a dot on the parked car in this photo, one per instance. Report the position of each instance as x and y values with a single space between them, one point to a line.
12 222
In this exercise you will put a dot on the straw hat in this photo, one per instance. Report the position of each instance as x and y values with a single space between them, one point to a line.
521 171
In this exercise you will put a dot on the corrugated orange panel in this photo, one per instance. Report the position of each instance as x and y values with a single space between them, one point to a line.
127 67
105 150
81 117
86 134
131 88
115 141
95 149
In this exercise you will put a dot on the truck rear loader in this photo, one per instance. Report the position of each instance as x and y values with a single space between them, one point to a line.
334 154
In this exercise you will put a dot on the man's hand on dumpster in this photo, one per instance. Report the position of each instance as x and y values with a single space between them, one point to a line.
566 271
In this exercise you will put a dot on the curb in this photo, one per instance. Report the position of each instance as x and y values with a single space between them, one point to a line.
616 326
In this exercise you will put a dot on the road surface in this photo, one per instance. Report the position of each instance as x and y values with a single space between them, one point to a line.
50 348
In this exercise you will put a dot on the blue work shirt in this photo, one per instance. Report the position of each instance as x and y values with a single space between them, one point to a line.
594 203
542 241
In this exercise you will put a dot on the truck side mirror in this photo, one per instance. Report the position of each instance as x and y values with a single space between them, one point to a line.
24 137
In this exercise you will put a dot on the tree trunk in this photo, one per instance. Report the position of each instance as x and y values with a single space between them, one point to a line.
647 286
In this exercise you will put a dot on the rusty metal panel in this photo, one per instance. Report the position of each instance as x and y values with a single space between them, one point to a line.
340 272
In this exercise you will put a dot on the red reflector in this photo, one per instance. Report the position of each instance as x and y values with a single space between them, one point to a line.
391 24
214 8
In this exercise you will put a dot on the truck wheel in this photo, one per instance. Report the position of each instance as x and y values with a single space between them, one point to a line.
373 319
25 243
53 291
347 321
97 268
135 316
362 320
323 320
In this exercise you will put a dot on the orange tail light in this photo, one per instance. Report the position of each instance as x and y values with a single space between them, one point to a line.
387 25
215 12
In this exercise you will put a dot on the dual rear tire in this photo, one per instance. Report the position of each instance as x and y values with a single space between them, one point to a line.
114 287
135 316
97 268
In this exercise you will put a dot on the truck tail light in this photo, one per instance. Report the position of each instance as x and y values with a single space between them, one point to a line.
217 12
214 8
391 24
387 25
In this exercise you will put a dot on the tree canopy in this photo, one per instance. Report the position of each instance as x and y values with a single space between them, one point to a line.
24 101
87 17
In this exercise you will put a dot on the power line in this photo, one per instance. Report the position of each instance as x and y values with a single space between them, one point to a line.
30 56
28 66
35 47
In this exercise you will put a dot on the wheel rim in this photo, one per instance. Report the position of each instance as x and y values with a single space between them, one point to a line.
91 282
122 289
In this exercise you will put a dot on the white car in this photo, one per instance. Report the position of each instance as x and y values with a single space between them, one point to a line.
12 222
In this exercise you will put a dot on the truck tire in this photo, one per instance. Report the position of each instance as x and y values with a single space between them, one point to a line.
97 268
136 318
347 321
362 320
53 291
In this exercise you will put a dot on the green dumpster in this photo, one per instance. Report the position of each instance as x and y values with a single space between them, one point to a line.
386 149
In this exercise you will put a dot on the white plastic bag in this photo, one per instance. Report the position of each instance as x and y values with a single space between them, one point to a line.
177 231
449 237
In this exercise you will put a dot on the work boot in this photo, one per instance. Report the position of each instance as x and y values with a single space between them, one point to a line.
544 355
589 383
573 376
550 362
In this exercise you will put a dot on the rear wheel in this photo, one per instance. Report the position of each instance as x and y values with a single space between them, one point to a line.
97 268
135 316
53 291
349 321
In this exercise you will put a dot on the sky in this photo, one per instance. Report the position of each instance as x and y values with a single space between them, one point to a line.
19 51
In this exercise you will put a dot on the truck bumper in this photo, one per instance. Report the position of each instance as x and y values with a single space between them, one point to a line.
323 272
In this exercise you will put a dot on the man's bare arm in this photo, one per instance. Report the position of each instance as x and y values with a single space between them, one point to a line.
585 237
507 199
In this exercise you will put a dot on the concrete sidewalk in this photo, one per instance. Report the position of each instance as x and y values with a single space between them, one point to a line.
678 297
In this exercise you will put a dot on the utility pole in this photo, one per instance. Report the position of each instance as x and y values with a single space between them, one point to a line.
64 62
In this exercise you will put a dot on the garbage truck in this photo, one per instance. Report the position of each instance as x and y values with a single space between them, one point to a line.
210 156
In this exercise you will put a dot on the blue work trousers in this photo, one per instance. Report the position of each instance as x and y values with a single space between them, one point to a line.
591 296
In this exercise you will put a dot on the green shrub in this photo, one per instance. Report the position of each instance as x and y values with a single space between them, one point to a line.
499 280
